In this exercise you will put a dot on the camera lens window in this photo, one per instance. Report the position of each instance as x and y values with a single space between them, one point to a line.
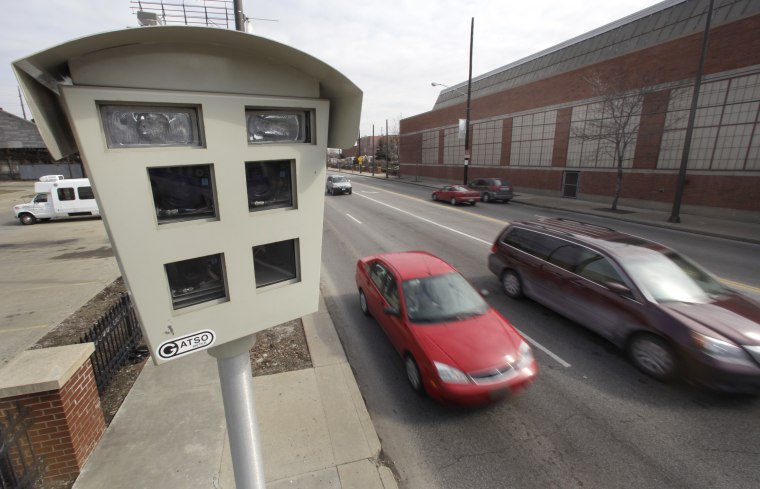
196 280
275 262
182 193
270 184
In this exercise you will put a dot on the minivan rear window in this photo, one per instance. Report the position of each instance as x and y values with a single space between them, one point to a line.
536 244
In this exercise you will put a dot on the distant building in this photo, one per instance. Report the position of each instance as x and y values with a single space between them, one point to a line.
525 116
23 154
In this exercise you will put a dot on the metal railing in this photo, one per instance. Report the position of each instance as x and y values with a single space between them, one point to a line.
20 468
116 336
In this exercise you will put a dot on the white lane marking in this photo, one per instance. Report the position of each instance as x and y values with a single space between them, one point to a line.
355 219
544 349
532 341
447 228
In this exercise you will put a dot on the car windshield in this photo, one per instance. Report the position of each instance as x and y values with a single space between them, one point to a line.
668 277
339 179
441 298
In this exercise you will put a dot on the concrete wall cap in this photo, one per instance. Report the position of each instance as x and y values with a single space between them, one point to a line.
48 369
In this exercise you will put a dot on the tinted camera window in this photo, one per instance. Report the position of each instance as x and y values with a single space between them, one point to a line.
275 262
196 280
85 193
129 126
270 184
277 126
182 192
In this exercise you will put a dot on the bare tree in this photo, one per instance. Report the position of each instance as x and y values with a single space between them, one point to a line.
614 119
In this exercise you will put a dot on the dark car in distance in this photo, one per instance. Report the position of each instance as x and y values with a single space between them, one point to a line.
493 189
672 317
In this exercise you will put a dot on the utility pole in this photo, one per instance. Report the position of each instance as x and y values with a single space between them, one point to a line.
467 120
674 214
387 162
239 16
21 101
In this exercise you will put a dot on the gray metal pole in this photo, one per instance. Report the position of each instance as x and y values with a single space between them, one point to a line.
239 15
467 122
676 210
236 379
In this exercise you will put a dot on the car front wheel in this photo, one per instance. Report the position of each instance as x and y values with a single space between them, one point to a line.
363 302
453 201
27 219
653 356
413 374
511 284
434 196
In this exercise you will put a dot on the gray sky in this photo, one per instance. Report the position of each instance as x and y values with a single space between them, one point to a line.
391 49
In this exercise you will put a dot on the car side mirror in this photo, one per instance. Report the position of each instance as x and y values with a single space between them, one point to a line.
392 311
618 288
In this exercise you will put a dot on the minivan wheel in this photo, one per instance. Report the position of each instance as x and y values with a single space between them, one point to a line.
486 197
363 302
511 284
413 374
27 219
653 356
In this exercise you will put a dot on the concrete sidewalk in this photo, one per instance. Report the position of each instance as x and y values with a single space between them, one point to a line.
314 427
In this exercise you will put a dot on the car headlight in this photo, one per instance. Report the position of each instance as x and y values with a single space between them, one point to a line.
725 351
451 375
526 356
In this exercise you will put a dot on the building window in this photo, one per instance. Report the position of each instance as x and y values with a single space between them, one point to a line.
726 134
486 143
430 148
533 139
588 148
453 147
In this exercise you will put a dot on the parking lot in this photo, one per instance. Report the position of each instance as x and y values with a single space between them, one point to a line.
47 270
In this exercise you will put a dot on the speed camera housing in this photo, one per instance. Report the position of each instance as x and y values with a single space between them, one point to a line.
206 149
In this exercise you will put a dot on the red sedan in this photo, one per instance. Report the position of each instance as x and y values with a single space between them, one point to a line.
456 348
456 194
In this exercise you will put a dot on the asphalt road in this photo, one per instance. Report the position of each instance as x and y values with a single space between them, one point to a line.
591 420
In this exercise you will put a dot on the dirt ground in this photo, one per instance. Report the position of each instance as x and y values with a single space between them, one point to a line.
282 348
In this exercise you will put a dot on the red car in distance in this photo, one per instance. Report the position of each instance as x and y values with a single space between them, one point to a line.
456 194
456 348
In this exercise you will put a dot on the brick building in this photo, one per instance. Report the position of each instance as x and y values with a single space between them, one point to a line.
527 118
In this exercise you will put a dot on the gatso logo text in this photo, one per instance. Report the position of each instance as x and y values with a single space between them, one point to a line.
186 344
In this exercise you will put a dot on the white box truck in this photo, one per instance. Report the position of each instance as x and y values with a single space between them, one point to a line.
57 197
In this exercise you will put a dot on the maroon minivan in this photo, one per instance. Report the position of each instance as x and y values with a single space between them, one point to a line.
673 318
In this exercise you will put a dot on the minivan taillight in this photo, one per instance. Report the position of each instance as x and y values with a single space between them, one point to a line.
494 248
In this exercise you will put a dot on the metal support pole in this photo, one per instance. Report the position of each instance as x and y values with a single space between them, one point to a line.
236 379
676 210
467 122
239 15
387 150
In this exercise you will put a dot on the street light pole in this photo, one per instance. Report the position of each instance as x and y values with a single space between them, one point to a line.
467 119
675 212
